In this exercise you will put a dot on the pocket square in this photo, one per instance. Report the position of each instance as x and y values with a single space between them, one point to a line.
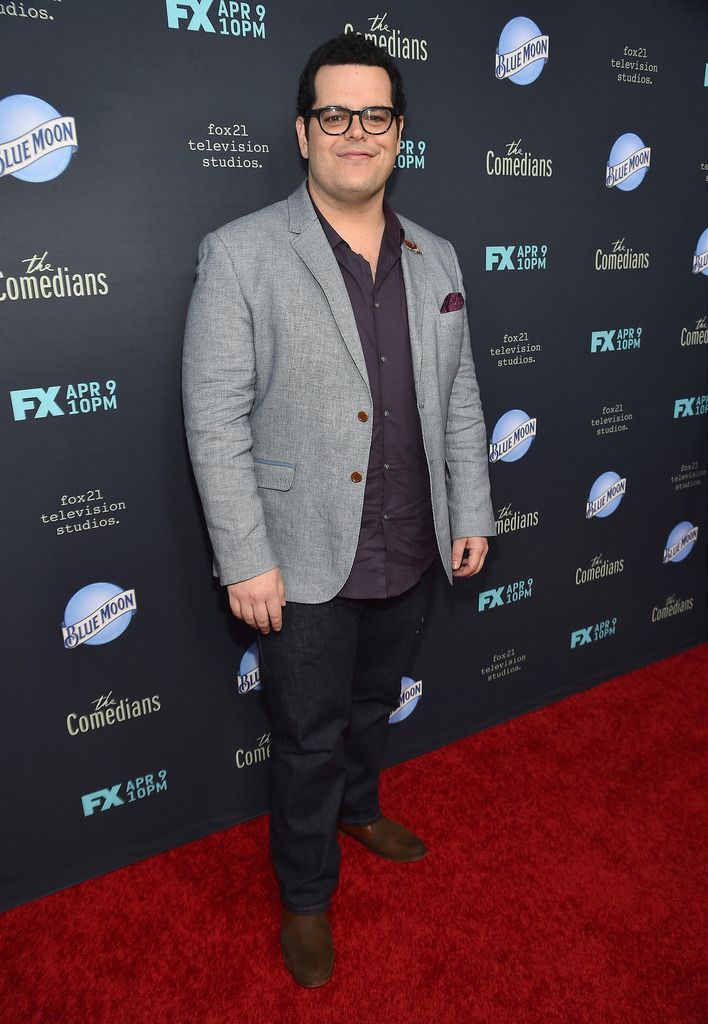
452 302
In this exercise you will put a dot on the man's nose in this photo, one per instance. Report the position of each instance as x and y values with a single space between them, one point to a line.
355 129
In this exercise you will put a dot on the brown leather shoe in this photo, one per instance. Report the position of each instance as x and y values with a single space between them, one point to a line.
306 944
388 839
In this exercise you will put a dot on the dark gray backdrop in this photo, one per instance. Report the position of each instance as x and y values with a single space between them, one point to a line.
133 203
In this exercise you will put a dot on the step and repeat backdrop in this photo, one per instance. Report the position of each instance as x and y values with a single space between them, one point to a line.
561 148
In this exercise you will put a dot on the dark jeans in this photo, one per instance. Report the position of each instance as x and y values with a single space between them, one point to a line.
331 677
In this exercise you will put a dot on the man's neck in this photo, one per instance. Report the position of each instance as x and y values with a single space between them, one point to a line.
355 222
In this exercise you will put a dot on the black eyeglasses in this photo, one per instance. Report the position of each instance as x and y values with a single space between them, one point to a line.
338 120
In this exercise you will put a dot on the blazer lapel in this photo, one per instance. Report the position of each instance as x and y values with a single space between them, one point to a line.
414 278
314 250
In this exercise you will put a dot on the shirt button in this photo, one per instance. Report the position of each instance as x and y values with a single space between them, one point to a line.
387 465
382 358
386 515
377 305
362 416
356 477
387 412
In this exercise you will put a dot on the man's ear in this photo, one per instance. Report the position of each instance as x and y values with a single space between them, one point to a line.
401 121
301 130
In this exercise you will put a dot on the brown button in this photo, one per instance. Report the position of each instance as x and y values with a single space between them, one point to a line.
362 416
356 477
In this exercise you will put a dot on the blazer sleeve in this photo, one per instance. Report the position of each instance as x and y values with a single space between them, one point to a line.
218 388
468 492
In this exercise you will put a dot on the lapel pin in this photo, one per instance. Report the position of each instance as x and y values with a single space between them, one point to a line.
412 246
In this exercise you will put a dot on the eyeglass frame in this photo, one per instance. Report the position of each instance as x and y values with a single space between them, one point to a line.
315 112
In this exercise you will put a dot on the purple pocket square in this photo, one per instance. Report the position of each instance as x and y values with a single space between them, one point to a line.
452 302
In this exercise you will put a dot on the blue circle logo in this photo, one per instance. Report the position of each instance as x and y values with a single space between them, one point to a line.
36 142
411 691
512 437
522 52
97 614
680 542
627 163
700 256
249 677
605 495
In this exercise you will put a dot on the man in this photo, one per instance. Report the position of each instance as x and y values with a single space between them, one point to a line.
338 443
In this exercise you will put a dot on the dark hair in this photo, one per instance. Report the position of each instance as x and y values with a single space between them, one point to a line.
348 48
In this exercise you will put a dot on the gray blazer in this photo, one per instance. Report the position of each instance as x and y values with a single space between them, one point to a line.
273 380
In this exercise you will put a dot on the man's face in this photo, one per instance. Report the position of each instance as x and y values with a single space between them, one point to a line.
353 167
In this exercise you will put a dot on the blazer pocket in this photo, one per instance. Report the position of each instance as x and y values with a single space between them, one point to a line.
455 316
277 476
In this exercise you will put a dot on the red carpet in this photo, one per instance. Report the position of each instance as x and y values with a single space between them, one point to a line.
566 884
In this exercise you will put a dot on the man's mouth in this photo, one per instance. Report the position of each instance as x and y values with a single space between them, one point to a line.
355 154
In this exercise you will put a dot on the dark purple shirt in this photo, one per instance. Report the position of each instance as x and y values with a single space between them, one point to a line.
397 538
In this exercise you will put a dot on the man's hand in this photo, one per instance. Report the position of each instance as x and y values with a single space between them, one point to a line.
260 600
468 564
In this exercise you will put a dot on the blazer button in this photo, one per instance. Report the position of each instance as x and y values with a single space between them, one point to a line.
356 477
362 416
